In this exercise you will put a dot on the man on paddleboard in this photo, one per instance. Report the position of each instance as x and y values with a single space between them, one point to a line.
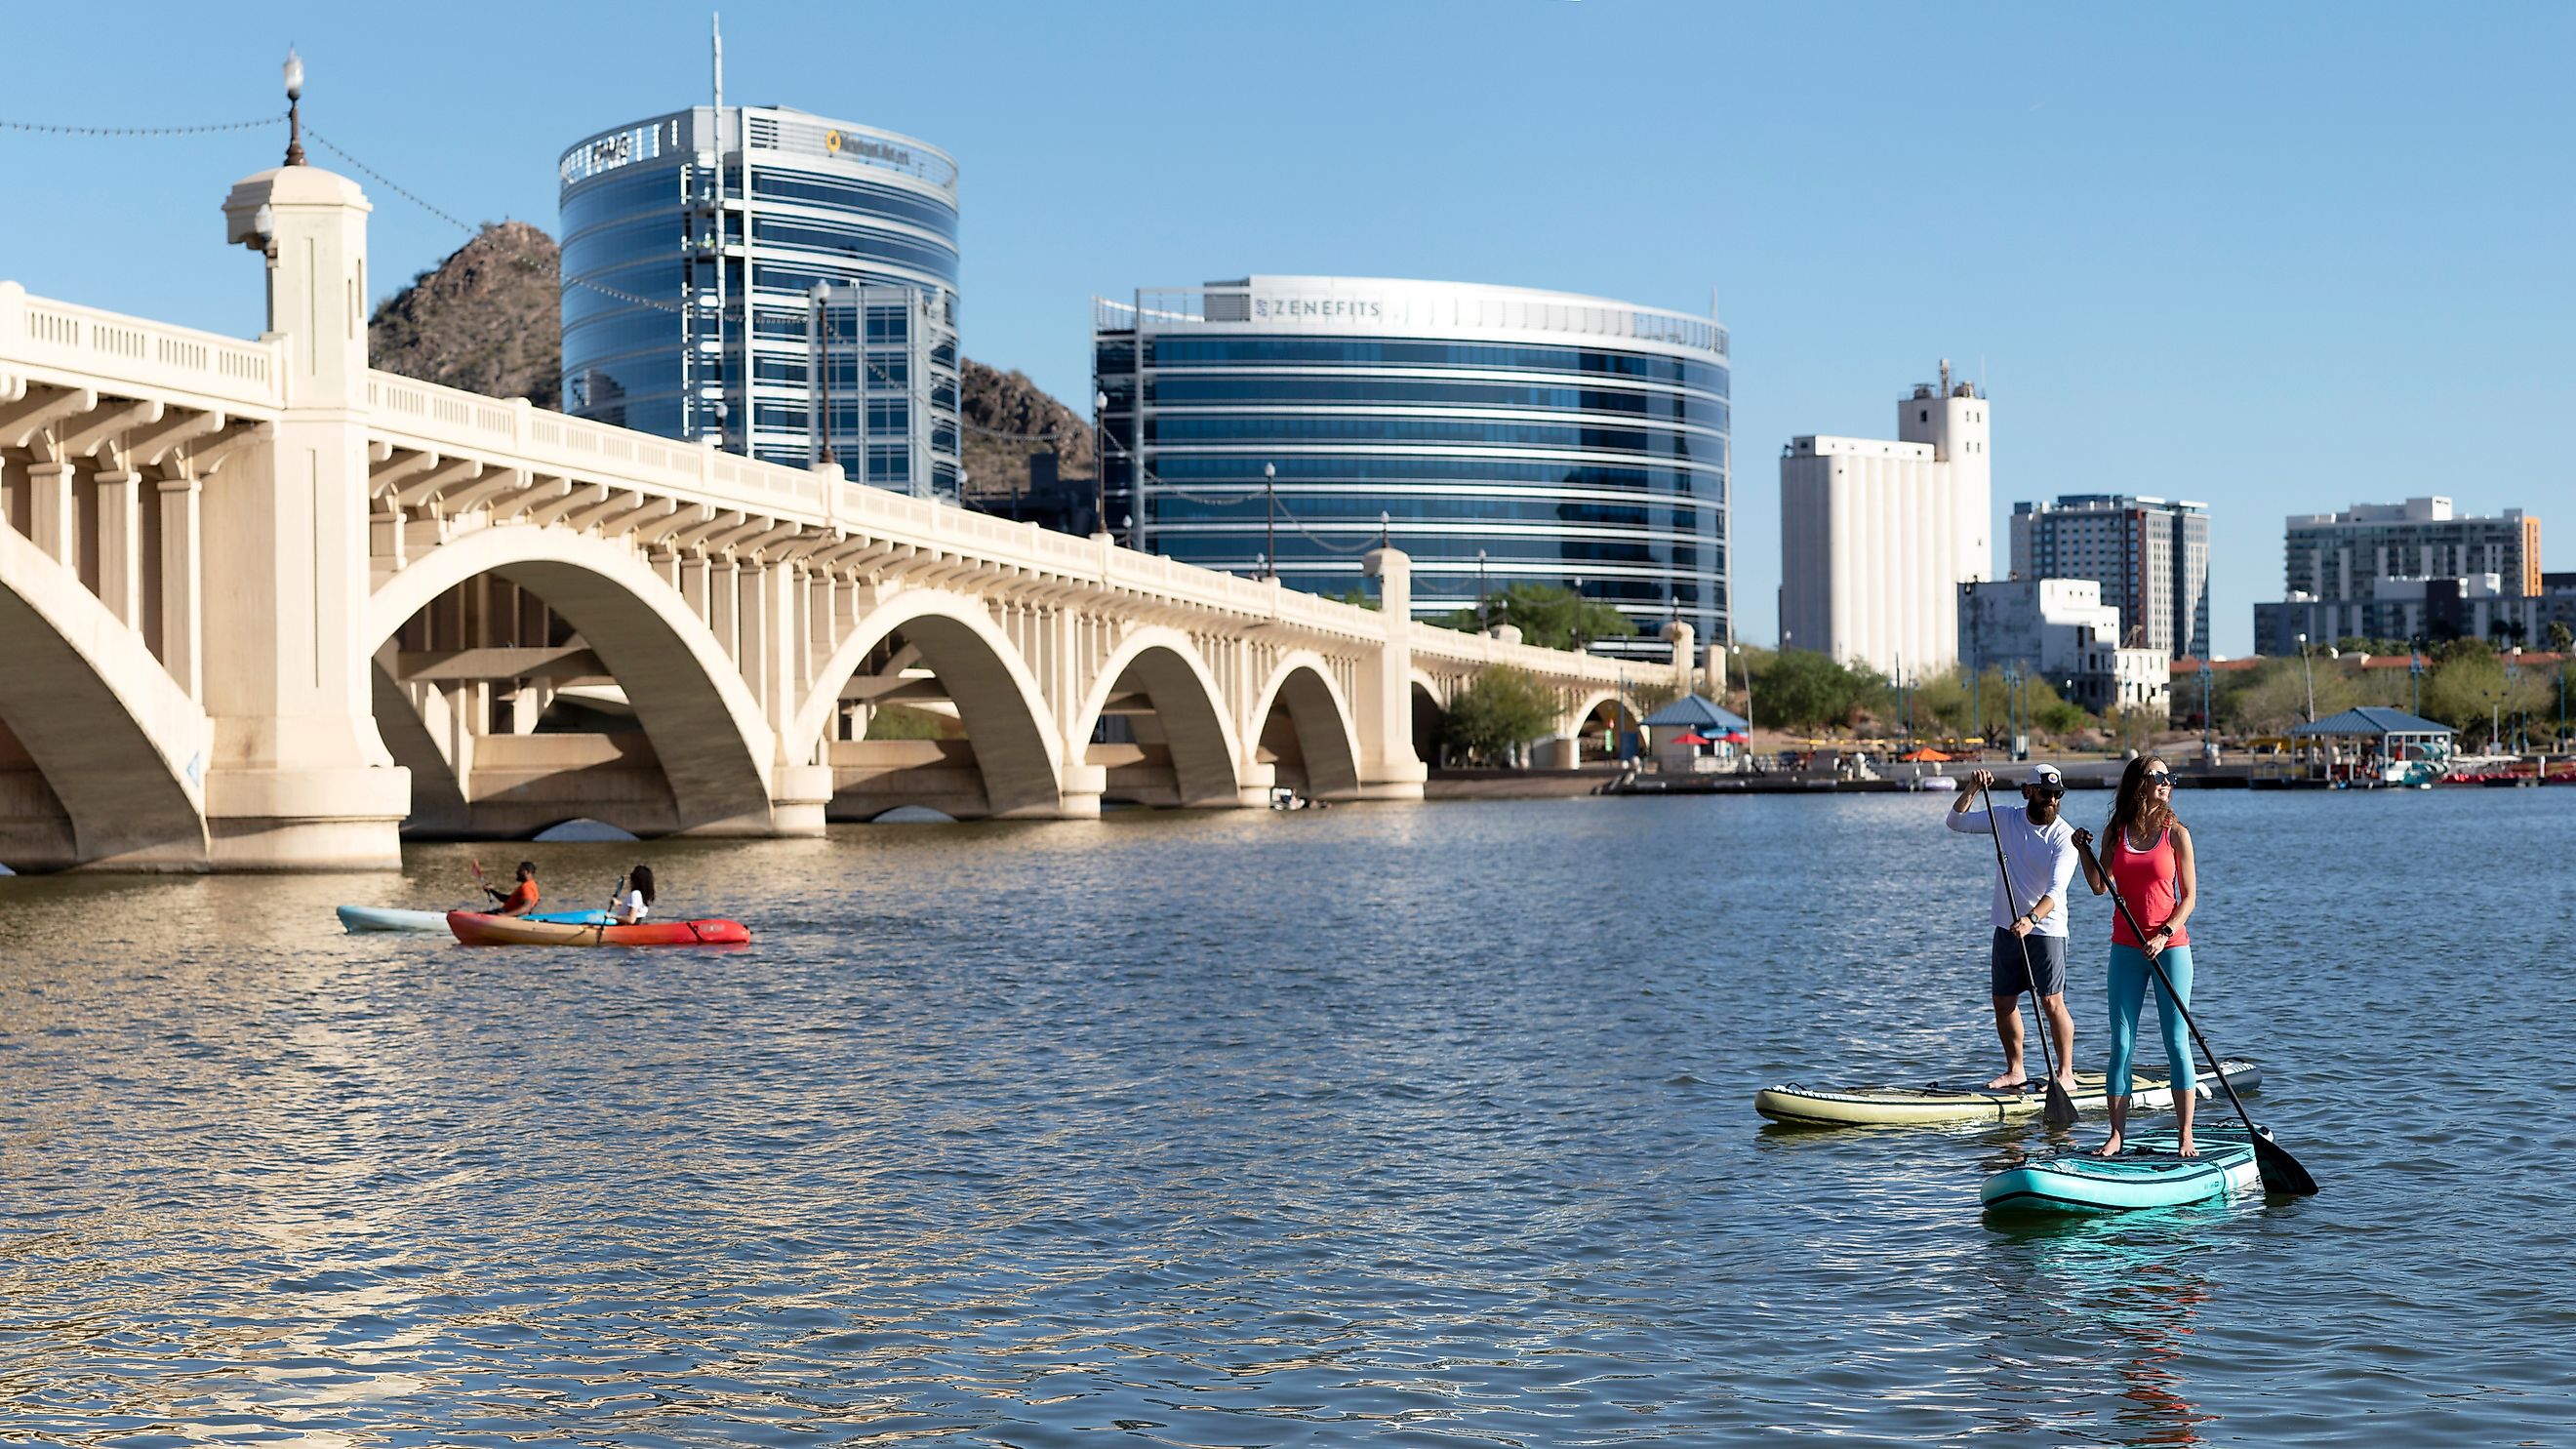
2039 846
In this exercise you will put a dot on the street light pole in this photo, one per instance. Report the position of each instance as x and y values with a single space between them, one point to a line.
2310 676
2204 711
1100 463
822 294
1482 621
1574 629
1270 518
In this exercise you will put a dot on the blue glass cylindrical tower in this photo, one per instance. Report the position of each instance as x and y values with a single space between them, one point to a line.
1499 435
692 244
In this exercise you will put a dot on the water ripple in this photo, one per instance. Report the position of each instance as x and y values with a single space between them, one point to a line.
1398 1126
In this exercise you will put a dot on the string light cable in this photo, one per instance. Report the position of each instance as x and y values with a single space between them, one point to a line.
58 130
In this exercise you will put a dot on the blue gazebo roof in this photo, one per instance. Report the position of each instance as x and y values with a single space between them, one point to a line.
1695 712
2373 721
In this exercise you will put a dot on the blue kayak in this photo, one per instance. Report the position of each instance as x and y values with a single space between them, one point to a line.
387 918
2148 1175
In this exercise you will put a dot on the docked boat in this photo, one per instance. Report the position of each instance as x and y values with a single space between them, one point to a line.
2148 1175
1951 1102
475 928
355 919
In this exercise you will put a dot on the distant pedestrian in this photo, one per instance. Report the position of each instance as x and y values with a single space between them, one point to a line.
2030 918
2148 854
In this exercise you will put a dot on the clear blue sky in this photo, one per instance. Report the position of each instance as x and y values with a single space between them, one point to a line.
2281 258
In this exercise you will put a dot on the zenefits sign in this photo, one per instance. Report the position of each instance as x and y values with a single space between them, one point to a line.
1317 307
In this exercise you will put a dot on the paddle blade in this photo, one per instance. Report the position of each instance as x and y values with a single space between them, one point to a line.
2060 1111
2281 1172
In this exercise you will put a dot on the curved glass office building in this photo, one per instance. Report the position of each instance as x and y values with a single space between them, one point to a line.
692 246
1499 435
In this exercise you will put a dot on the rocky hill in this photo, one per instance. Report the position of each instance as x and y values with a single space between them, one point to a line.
488 319
998 402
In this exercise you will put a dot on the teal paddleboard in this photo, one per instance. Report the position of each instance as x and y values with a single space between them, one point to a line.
2148 1175
387 918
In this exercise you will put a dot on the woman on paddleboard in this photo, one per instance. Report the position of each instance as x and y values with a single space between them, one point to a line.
2148 855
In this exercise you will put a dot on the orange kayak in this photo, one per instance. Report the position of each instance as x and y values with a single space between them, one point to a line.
475 928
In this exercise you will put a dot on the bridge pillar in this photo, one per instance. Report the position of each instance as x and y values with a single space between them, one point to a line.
120 546
183 605
1389 770
1684 642
299 778
49 512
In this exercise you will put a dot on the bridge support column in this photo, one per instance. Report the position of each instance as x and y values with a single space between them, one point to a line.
49 512
300 779
120 547
1389 770
183 607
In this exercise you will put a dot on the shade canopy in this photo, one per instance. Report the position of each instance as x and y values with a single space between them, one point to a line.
2372 722
1690 739
1692 711
1925 755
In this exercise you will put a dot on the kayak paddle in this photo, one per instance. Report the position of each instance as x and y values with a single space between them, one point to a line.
2060 1111
2281 1172
611 913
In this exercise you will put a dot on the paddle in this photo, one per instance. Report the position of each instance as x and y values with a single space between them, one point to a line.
611 912
2281 1172
2060 1111
480 881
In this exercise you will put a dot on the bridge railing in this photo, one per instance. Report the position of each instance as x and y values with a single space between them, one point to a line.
128 353
450 420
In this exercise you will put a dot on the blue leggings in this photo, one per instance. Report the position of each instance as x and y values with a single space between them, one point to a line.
2130 974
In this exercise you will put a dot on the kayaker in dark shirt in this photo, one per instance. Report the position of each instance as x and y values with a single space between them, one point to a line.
522 897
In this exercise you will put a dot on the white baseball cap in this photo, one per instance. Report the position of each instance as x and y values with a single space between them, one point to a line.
2046 775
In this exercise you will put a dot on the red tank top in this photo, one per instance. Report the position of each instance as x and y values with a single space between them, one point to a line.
2146 880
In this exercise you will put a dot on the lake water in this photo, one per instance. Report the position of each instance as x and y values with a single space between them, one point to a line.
1395 1125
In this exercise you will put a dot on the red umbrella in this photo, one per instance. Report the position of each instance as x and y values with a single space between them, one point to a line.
1738 737
1692 739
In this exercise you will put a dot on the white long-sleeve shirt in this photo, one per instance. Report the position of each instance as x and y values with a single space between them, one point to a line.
2042 860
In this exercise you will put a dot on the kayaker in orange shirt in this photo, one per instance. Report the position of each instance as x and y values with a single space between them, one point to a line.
522 897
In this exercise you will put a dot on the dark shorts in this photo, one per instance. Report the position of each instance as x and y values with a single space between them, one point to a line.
2047 962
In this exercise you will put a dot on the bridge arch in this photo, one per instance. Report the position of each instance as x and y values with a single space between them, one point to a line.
714 747
122 747
1188 705
1326 731
1017 751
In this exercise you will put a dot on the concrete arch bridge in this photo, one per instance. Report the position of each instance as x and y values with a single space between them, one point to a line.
263 607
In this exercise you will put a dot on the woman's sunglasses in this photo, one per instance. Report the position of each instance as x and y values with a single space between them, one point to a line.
2157 777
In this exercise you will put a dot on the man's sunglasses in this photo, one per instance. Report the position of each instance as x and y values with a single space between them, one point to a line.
2051 791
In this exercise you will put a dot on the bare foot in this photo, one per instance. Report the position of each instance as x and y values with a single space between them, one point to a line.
2007 1080
2068 1082
2108 1149
2185 1149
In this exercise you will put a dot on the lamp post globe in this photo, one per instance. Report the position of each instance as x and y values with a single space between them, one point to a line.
294 71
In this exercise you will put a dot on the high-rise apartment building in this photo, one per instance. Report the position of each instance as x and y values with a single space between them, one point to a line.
1877 536
2342 555
1499 435
2150 555
711 255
